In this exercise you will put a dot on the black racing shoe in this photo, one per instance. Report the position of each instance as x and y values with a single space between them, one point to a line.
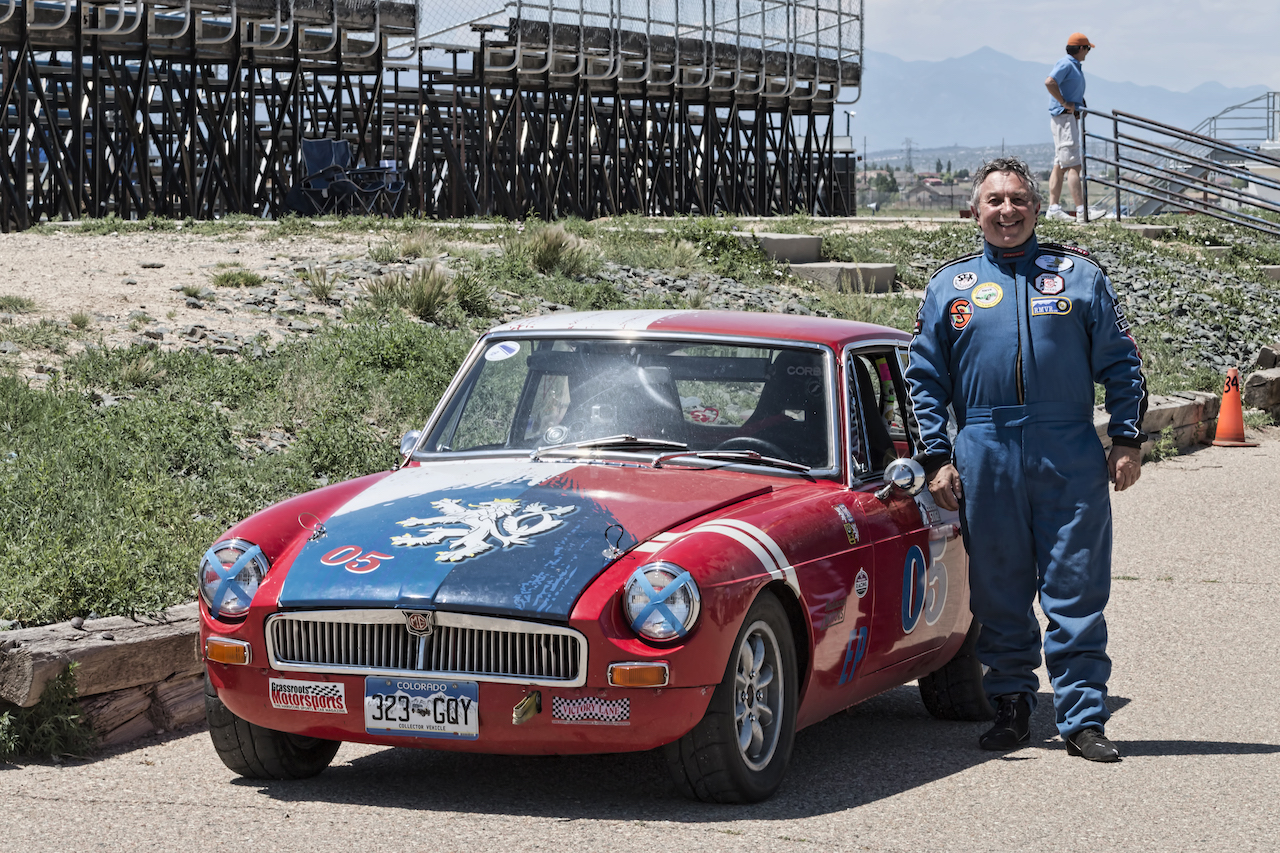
1091 744
1013 723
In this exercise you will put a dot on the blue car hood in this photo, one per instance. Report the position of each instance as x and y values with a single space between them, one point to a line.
504 537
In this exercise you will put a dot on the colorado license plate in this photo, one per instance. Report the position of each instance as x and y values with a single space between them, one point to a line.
422 707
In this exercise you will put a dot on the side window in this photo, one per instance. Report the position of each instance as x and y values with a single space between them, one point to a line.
879 411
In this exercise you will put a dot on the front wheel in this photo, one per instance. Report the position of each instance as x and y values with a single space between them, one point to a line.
739 751
955 691
258 753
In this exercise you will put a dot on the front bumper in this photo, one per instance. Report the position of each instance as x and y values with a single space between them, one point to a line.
652 717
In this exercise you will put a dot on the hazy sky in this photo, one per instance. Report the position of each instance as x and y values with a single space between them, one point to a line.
1177 44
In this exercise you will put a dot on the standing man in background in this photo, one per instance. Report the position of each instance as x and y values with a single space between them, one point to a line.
1066 86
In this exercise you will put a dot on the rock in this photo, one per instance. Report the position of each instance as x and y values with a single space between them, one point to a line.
1267 357
128 280
151 265
1261 390
9 348
192 302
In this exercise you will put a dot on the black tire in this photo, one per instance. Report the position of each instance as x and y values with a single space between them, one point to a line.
760 681
258 753
955 692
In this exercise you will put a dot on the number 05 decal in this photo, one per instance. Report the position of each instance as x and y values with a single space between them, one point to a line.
350 558
924 590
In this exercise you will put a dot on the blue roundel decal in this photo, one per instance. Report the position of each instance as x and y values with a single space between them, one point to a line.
913 585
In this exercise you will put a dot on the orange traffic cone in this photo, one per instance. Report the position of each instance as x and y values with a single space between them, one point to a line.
1230 431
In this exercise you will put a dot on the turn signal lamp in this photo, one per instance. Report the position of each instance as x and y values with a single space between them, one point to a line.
638 674
223 650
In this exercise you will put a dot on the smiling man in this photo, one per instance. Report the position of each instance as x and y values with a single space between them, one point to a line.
1010 341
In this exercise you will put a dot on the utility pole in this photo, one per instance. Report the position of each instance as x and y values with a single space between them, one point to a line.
906 143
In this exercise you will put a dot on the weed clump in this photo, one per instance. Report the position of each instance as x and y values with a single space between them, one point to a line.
53 727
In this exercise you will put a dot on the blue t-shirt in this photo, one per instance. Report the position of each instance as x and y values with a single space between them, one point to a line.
1070 79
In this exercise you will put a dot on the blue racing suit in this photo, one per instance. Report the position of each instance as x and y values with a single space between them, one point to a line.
1011 342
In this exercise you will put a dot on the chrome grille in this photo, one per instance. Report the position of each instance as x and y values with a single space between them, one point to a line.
377 642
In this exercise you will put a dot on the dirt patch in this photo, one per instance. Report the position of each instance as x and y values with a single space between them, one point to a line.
131 284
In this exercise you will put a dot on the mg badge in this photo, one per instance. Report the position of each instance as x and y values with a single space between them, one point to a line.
420 624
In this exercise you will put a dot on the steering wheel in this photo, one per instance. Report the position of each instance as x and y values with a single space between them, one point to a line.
750 442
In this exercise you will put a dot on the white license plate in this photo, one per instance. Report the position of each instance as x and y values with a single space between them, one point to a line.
422 707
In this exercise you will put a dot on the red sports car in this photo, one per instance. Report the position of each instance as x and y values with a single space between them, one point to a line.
618 531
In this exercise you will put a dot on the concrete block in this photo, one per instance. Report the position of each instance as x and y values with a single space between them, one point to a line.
792 248
1192 418
1261 390
845 277
1214 252
1151 232
1271 271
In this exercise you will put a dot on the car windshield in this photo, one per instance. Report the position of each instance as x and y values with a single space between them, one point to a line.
526 394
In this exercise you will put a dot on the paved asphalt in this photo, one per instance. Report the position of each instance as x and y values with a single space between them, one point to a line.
1196 644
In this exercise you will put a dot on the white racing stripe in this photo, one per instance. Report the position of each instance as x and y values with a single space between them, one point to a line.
758 543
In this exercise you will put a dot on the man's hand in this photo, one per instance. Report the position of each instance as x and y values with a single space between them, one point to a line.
945 487
1124 464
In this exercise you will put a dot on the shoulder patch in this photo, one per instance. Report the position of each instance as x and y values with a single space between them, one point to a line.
1069 252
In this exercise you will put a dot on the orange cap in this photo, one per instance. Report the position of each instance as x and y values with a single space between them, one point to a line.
1079 40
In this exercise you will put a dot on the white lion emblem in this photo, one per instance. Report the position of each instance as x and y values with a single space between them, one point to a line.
472 526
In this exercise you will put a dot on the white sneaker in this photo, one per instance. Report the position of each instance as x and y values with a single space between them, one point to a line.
1057 213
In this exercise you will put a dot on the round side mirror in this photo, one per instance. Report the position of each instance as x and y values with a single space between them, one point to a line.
410 441
904 473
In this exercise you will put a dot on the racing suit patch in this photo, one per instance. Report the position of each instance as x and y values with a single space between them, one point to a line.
965 280
1054 263
960 312
988 295
1050 284
1050 305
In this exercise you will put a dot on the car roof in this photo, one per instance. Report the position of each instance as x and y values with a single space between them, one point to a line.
827 331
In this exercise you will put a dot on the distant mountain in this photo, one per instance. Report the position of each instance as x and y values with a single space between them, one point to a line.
979 100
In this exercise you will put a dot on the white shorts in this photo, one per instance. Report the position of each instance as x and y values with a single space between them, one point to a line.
1066 140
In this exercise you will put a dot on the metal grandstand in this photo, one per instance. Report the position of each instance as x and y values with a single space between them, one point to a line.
585 107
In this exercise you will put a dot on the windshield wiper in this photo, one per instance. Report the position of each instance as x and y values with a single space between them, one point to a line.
749 457
613 442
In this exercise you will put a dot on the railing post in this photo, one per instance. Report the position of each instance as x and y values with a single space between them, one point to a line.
1084 166
1115 138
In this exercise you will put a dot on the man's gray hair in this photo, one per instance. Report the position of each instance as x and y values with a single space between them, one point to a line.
1004 164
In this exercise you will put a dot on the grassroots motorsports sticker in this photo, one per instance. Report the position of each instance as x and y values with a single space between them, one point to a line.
320 696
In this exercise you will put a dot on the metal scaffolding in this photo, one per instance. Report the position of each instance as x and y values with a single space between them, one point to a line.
195 108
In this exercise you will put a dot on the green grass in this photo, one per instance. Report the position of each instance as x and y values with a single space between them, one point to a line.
17 304
107 508
52 728
236 278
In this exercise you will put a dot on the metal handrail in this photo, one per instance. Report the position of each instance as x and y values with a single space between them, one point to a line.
1188 162
13 6
276 43
31 13
232 28
186 22
333 37
376 32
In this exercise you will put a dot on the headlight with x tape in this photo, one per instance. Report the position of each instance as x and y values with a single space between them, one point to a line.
229 576
661 601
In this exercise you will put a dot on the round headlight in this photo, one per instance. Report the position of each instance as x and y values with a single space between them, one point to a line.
229 577
661 601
